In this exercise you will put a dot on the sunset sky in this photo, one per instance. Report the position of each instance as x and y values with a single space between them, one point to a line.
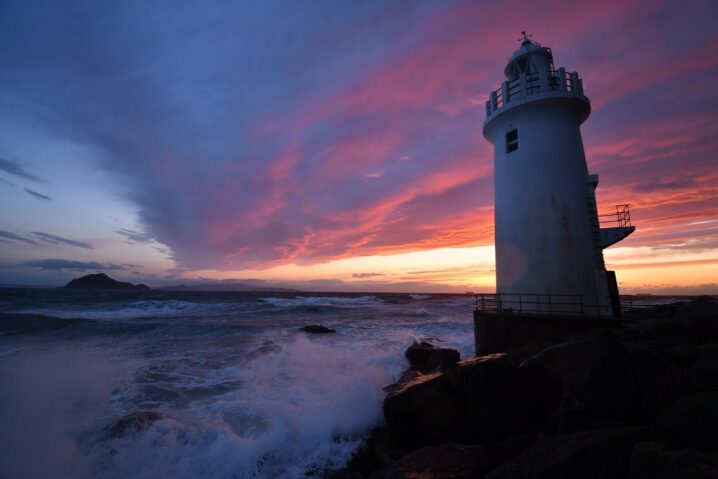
336 145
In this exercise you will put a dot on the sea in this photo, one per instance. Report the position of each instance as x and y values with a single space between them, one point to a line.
241 392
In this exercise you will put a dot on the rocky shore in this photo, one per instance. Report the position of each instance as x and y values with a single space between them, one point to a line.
637 399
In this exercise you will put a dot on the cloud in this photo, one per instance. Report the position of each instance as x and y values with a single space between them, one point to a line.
9 235
37 238
17 170
58 240
135 236
367 275
6 182
37 195
53 264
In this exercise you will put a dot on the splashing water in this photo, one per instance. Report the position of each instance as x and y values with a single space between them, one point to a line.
241 392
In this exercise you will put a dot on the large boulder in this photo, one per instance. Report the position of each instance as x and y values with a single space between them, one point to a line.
691 422
651 460
427 410
501 398
587 382
426 357
596 454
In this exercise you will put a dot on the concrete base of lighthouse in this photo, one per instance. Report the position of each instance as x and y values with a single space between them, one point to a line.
496 332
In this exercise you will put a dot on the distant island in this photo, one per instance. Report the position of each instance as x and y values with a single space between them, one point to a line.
227 287
101 281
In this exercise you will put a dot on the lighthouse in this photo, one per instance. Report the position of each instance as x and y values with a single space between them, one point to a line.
548 233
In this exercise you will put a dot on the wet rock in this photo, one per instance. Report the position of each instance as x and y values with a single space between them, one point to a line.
425 357
691 422
427 410
408 375
502 400
651 460
602 453
316 329
132 424
267 347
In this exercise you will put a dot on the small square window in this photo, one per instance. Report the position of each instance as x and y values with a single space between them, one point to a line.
512 141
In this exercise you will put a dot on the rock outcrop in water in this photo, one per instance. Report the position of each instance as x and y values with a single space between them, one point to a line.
636 401
101 281
425 357
132 423
316 329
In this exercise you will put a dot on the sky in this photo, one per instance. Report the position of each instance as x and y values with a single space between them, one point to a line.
330 145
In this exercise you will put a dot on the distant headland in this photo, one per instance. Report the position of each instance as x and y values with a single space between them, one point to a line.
101 281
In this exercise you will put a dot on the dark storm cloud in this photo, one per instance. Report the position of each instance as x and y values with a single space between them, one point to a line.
58 240
37 195
53 264
16 169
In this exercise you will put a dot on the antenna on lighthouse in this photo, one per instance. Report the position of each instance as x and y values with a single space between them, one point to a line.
525 37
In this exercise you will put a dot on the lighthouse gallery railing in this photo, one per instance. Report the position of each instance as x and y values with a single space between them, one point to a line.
533 83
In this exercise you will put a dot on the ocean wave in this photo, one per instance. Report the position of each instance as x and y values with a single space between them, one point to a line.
420 296
324 301
132 310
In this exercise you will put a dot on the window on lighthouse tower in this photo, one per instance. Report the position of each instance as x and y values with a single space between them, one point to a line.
512 140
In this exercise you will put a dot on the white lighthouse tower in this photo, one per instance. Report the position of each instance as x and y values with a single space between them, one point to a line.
549 243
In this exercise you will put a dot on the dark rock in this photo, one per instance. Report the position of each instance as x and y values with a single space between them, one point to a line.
132 423
445 461
408 375
587 381
658 393
669 332
101 281
648 359
597 454
684 355
705 374
502 400
426 357
691 422
316 329
427 410
377 453
652 460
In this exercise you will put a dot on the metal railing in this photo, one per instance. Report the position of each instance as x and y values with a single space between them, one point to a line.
564 304
570 304
532 83
621 218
